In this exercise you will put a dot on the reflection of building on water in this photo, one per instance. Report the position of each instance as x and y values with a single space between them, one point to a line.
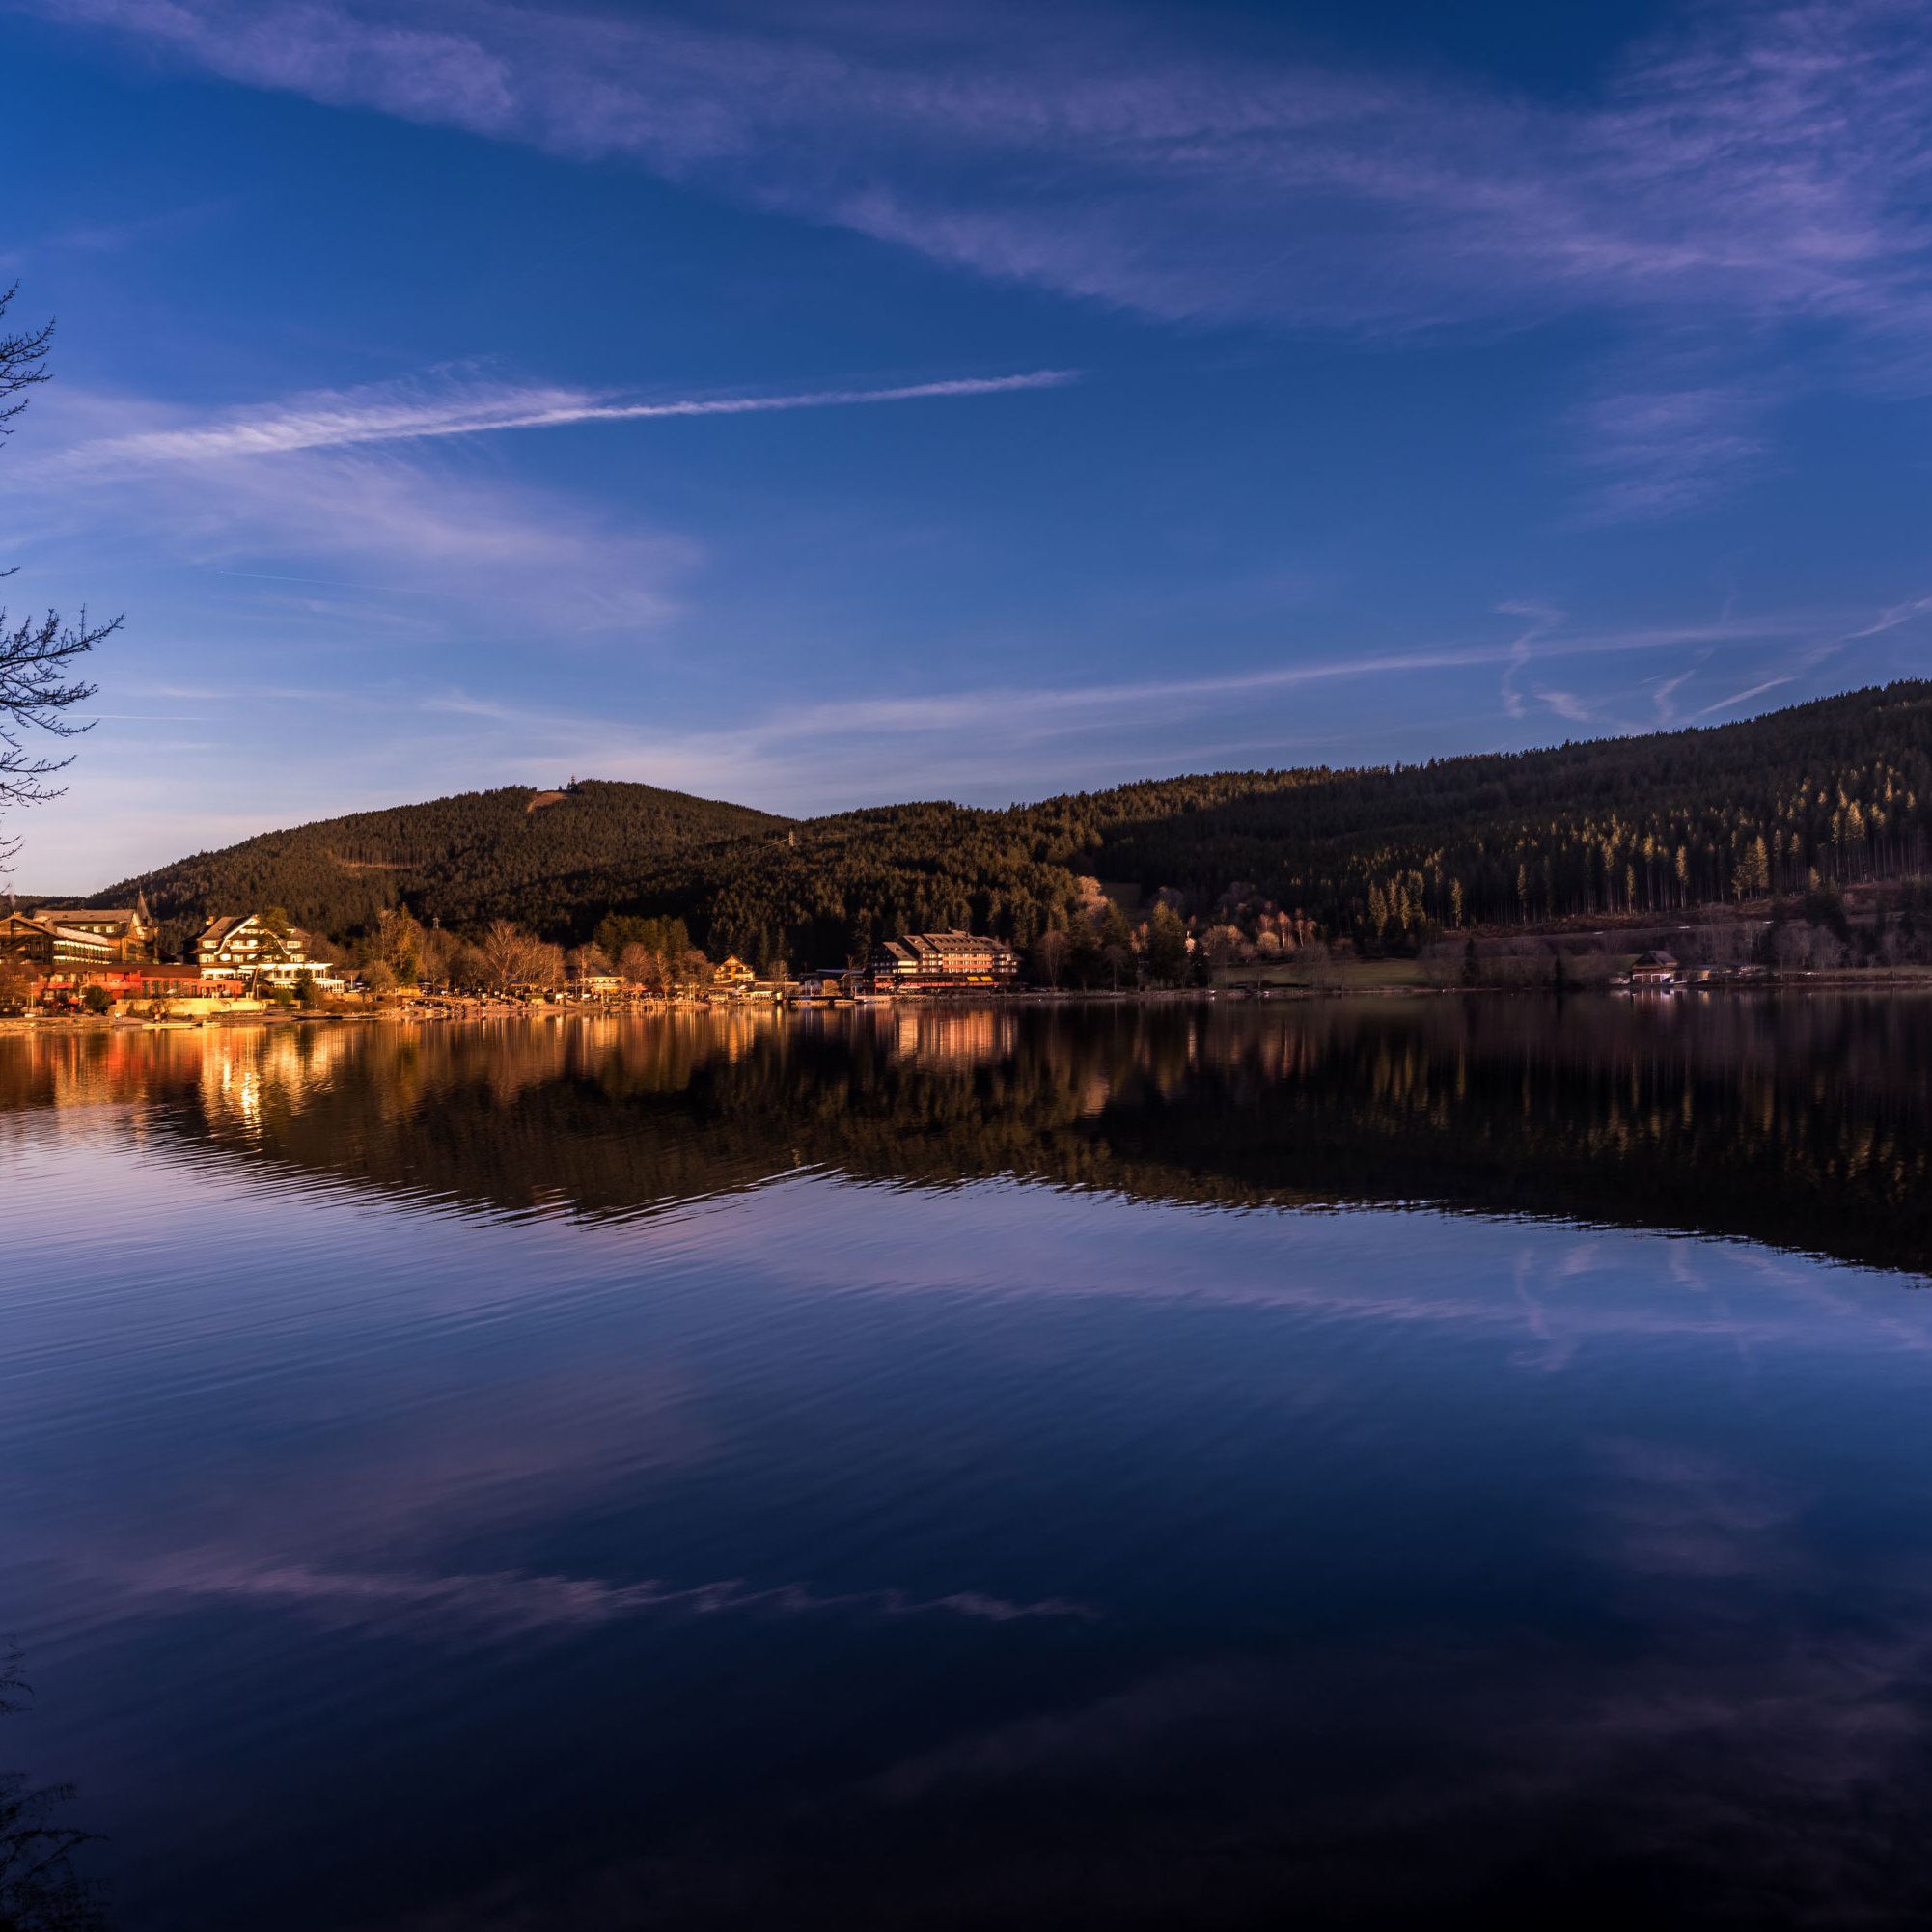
953 1036
242 1074
234 1072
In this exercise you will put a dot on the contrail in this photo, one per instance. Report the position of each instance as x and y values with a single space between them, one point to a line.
818 399
373 416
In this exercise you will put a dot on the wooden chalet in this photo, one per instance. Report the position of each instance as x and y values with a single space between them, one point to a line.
243 943
242 946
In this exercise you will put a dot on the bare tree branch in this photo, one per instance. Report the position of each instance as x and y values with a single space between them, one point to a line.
38 687
23 361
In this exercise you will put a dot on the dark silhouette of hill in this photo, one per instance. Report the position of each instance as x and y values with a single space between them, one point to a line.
1841 786
1656 823
463 859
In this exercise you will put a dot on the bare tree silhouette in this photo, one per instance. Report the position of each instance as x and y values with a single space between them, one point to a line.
38 688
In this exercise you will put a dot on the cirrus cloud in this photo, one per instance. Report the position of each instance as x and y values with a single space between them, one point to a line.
1742 178
1772 162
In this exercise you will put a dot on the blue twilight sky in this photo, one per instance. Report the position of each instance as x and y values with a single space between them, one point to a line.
1111 389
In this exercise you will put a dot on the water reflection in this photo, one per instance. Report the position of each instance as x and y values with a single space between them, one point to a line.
1803 1123
512 1478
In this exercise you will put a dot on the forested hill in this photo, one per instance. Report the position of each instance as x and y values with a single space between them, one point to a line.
1842 786
463 855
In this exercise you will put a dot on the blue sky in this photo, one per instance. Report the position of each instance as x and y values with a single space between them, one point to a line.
817 405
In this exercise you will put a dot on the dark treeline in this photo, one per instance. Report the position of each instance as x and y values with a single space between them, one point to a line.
1705 1117
1840 788
465 860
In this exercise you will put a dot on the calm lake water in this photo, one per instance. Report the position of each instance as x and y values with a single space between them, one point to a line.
1328 1464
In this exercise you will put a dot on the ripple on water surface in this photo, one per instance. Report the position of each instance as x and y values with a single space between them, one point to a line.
1154 1465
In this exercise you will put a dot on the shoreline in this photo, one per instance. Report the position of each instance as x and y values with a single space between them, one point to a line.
490 1012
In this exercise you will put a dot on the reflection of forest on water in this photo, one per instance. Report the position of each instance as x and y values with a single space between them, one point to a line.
1800 1122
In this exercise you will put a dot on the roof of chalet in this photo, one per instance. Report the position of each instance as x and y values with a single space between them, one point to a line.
224 926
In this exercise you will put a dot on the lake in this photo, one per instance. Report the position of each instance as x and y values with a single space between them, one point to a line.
1334 1463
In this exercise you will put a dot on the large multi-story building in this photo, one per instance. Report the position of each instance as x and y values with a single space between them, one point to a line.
36 941
944 963
128 930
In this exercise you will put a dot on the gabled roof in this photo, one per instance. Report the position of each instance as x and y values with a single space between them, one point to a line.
228 925
20 924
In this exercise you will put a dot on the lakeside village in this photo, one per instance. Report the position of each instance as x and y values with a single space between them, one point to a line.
99 963
102 962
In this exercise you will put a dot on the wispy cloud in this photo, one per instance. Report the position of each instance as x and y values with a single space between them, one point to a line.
322 524
1890 620
1745 173
413 412
1659 453
1541 621
341 491
1664 697
989 743
1761 158
1567 704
